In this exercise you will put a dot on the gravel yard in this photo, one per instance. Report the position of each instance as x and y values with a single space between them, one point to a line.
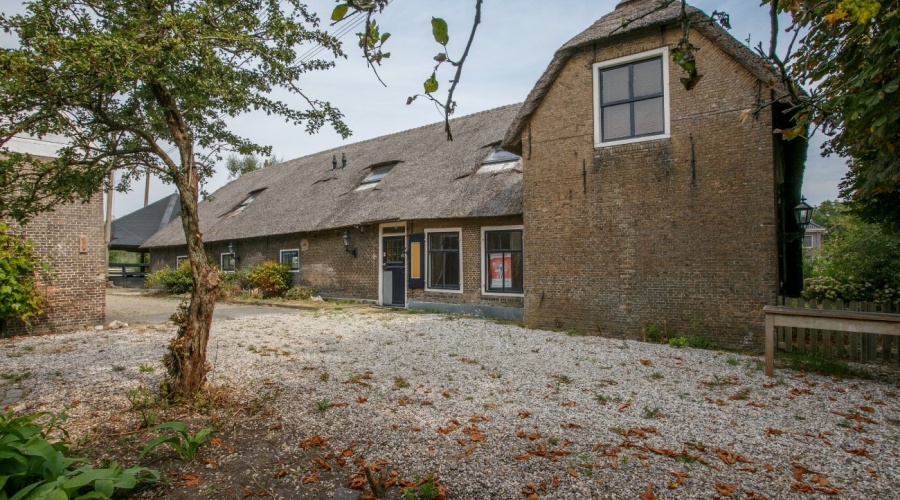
496 411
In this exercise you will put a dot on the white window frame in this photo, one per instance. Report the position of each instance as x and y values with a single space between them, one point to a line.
180 258
222 263
281 254
650 54
484 277
457 230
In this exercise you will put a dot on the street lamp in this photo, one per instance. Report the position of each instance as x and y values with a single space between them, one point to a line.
803 213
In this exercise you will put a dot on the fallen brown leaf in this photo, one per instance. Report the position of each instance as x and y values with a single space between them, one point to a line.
725 489
624 405
573 472
648 493
524 414
190 480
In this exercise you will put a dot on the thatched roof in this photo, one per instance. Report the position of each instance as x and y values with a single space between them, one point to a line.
608 30
130 231
434 179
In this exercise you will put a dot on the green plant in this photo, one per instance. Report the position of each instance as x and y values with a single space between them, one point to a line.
183 443
700 342
564 379
19 295
678 342
118 368
147 404
732 361
425 489
15 377
178 280
818 363
324 377
656 376
145 368
272 278
400 383
300 293
653 412
31 467
323 405
655 333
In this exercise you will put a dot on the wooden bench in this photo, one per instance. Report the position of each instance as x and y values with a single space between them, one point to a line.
844 321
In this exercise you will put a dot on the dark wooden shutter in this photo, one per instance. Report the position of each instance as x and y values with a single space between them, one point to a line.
416 261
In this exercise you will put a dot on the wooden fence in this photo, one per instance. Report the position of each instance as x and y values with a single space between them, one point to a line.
861 347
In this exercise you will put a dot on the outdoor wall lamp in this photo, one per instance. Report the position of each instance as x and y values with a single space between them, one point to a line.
803 213
231 249
346 238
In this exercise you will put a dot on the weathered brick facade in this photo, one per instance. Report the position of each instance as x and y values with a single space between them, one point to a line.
679 232
333 272
71 240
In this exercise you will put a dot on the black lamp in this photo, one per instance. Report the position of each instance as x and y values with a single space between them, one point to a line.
803 213
346 238
231 247
333 162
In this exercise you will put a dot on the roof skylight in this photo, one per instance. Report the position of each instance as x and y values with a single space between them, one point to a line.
499 160
251 197
377 173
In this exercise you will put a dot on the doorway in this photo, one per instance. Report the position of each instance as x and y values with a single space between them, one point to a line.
393 271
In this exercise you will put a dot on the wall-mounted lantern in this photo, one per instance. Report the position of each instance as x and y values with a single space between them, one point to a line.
346 238
803 213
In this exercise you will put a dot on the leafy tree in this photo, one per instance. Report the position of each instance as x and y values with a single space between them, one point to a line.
827 211
859 261
240 165
143 86
19 297
847 58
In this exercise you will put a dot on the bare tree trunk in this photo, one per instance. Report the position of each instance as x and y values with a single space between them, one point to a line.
186 359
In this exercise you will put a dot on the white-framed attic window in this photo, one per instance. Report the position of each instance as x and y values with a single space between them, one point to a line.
376 174
499 160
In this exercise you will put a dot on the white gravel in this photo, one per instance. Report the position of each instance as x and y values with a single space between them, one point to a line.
507 382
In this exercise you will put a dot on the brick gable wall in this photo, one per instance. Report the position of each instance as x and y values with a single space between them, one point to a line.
621 236
75 290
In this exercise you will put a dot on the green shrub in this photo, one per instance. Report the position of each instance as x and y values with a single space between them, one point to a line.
32 467
179 280
700 342
19 297
678 342
655 333
272 278
183 442
300 293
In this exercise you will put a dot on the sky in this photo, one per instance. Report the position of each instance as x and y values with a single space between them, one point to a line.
513 45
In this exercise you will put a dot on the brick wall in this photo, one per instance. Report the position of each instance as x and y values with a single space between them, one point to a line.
71 240
325 266
622 236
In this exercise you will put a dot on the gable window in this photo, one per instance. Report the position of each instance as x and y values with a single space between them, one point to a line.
291 259
503 260
631 98
227 262
444 260
376 174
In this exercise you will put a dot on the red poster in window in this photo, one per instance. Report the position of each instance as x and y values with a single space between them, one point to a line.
500 268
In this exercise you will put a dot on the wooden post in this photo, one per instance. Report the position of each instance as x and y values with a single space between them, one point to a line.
770 345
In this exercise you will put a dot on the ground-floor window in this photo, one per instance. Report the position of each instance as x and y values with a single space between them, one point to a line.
444 260
227 262
291 259
180 260
503 260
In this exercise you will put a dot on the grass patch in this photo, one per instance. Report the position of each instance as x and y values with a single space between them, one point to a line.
118 368
15 377
817 363
653 412
400 383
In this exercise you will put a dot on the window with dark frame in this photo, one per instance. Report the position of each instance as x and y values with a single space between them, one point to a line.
443 261
291 259
503 261
632 100
227 262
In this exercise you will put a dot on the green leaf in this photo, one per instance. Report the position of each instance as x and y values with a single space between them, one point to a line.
431 84
385 37
439 30
174 442
340 10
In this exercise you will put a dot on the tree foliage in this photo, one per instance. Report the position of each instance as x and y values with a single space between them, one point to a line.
847 58
859 261
147 85
240 165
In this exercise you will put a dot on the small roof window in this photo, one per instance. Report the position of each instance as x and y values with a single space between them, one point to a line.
251 197
377 173
498 160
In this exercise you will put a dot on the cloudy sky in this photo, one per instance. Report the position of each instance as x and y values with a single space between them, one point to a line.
512 47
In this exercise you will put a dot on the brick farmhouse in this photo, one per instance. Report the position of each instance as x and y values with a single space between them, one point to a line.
612 198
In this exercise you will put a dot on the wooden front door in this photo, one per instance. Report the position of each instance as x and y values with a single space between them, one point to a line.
393 265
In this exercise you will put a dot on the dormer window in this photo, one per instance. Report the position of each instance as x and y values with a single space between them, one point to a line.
498 160
376 173
251 197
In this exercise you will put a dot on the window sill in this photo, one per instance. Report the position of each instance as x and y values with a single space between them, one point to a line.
503 294
632 140
444 290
